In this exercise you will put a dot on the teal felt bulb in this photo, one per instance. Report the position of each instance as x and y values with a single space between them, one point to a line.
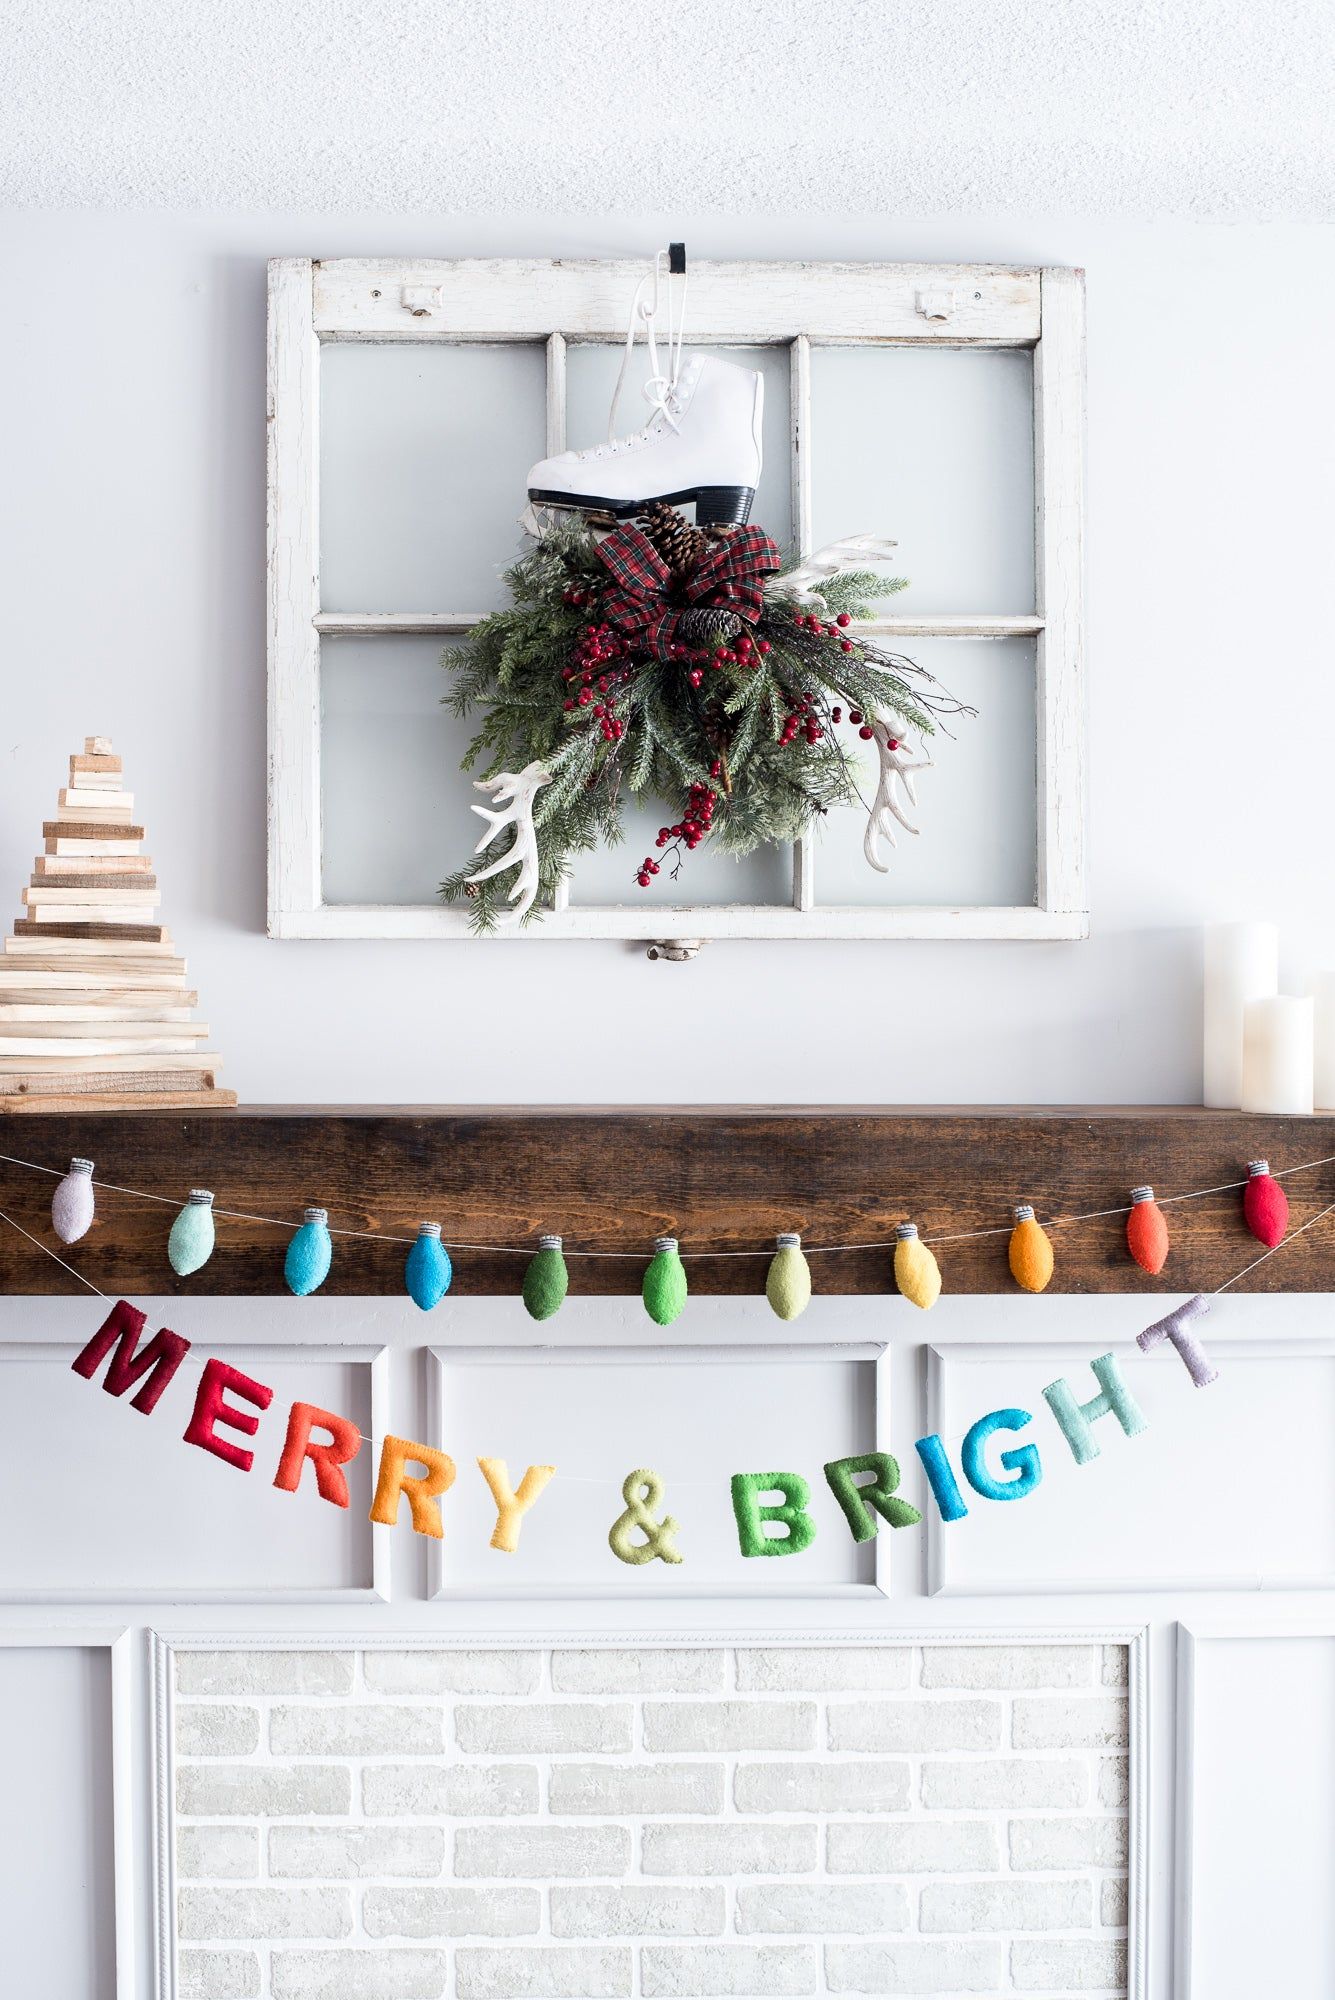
190 1244
546 1281
428 1270
788 1285
664 1288
309 1254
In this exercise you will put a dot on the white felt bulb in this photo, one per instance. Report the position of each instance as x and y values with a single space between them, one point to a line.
72 1203
190 1244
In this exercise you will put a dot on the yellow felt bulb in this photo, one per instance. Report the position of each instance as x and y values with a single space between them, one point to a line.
917 1272
788 1285
1030 1252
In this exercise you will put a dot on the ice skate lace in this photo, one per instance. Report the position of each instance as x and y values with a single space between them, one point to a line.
660 389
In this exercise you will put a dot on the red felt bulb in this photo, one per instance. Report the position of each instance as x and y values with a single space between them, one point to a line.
1147 1231
1265 1205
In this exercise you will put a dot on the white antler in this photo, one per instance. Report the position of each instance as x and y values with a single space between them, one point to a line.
514 798
897 768
853 549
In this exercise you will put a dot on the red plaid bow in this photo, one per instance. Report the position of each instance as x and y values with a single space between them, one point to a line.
640 599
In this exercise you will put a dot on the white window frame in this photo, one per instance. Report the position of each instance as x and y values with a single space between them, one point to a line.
797 305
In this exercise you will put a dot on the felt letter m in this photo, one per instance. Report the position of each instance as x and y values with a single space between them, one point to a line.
159 1359
1113 1399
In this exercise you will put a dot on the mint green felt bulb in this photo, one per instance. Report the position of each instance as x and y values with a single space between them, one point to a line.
664 1288
190 1244
546 1281
788 1285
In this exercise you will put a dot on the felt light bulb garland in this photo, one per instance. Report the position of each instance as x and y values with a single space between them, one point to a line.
788 1283
309 1254
664 1288
72 1203
917 1273
1265 1205
427 1269
1147 1231
1031 1257
546 1281
190 1244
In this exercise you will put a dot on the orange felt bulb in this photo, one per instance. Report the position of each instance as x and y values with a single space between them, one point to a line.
1031 1258
1147 1231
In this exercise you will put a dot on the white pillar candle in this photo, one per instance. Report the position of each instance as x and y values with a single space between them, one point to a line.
1241 964
1277 1055
1323 994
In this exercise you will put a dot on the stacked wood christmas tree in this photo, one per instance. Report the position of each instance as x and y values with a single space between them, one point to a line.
94 1008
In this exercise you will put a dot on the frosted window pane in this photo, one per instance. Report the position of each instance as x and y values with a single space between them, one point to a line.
608 874
933 447
395 803
424 456
591 373
976 809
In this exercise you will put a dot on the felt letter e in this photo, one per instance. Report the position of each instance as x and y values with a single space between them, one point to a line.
210 1409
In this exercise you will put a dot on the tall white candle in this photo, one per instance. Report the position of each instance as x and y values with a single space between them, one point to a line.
1277 1054
1323 994
1241 964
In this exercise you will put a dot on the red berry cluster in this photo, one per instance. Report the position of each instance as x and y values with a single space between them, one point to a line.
801 720
599 654
807 621
648 869
743 652
690 829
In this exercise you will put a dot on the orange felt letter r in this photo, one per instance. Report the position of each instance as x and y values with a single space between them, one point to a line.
326 1458
395 1454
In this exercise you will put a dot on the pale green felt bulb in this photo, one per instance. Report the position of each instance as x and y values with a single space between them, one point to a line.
546 1281
190 1244
664 1288
788 1285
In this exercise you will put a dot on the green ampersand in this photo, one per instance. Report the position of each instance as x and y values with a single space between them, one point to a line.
642 1492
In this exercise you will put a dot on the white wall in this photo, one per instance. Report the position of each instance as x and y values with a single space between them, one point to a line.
132 541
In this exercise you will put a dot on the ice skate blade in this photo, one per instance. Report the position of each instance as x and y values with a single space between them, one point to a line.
715 506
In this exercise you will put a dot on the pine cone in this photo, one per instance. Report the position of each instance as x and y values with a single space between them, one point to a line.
708 626
680 545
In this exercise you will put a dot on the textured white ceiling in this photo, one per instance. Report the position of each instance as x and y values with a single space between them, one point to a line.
1185 107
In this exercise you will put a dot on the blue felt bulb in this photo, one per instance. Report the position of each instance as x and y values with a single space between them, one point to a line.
309 1254
428 1270
191 1241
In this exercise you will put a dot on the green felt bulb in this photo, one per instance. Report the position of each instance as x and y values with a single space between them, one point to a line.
788 1286
546 1281
190 1244
664 1289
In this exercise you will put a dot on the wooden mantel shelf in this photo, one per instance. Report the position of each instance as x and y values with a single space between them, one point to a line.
718 1177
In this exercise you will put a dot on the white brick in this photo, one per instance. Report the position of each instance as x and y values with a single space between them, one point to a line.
758 1848
205 1729
216 1852
218 1975
997 1667
822 1906
264 1913
688 1970
824 1669
646 1670
374 1729
944 1847
1068 1843
1073 1966
1114 1781
915 1725
935 1967
615 1790
263 1673
466 1671
730 1725
1017 1781
452 1912
638 1910
1069 1722
858 1786
541 1852
543 1972
1112 1903
340 1854
449 1791
1116 1666
1006 1906
359 1975
265 1791
545 1727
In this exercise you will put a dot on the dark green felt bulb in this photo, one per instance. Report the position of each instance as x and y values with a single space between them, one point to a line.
664 1289
546 1281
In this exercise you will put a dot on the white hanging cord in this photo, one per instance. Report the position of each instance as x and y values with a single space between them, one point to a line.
658 388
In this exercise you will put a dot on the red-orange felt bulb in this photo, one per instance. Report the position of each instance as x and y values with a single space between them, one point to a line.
1147 1231
1265 1205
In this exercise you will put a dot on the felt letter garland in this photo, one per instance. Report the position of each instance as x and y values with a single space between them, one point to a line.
159 1360
1075 1418
879 1493
328 1459
211 1408
393 1479
1023 1463
945 1489
791 1514
642 1492
1174 1327
511 1507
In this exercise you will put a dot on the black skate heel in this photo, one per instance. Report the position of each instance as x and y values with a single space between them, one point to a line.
723 506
